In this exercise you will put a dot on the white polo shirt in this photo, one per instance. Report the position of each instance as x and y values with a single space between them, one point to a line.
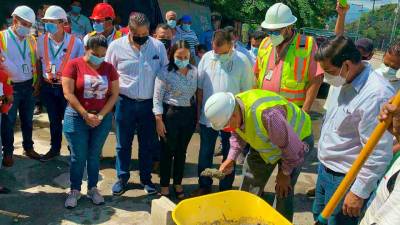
59 51
19 65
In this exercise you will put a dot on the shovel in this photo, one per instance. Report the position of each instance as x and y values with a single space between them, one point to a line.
355 168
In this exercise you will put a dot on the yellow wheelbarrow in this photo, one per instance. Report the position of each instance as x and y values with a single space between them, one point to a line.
227 208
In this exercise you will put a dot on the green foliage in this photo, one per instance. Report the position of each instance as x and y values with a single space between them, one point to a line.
310 13
377 25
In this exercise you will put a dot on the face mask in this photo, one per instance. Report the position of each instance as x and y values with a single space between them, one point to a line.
98 27
222 57
277 39
76 9
186 27
51 28
388 72
181 63
166 42
171 23
140 40
67 29
228 129
23 31
254 50
96 60
335 81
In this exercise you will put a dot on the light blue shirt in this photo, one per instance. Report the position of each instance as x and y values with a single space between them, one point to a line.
77 51
350 119
137 69
235 76
80 25
206 39
240 48
174 88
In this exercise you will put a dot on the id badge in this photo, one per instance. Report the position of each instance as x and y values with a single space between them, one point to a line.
53 69
268 76
25 68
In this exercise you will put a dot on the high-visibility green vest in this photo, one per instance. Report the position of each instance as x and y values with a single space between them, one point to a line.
255 102
294 78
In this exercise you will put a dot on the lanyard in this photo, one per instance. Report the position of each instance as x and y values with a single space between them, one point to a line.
52 49
22 52
76 21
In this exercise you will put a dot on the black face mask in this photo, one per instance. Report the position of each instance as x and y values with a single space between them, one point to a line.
167 43
140 40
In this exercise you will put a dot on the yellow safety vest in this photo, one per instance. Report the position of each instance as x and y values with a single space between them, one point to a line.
255 102
294 78
117 34
32 48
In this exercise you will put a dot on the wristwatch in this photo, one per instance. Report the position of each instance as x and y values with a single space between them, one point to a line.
100 117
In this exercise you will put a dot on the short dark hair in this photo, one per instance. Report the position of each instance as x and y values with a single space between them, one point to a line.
201 47
178 45
138 19
80 1
96 41
231 30
338 50
257 35
222 37
163 26
394 49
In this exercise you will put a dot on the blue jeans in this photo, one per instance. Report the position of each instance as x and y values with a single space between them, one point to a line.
85 144
24 103
208 137
256 173
53 99
327 183
131 116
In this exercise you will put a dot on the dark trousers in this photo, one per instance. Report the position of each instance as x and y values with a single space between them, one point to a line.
24 103
53 99
208 137
135 116
180 125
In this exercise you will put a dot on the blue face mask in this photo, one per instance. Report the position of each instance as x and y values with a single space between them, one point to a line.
186 27
23 31
171 23
96 60
51 28
76 9
98 27
181 63
254 50
222 57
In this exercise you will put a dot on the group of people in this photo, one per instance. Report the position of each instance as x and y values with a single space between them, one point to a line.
164 86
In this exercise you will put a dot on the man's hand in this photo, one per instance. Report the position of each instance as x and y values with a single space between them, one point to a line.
352 205
160 127
342 10
9 99
227 166
36 89
391 110
283 186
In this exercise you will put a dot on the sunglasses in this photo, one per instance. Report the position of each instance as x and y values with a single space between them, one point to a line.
273 32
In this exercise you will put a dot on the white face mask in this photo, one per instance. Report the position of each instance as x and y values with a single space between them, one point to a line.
277 39
388 72
335 81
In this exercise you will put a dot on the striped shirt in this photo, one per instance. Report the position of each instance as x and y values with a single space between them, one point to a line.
189 36
137 68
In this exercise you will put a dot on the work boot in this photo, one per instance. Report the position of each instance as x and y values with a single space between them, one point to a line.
49 156
200 192
8 161
32 154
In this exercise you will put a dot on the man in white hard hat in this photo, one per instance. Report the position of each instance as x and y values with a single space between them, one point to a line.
285 63
278 132
18 49
55 49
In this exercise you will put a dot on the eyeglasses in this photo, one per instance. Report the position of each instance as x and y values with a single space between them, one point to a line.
273 32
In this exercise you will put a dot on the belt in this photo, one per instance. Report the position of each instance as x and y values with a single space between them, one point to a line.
178 107
334 172
134 99
23 83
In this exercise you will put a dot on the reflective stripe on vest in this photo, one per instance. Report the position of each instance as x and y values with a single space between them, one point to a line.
294 77
255 102
32 47
117 34
63 62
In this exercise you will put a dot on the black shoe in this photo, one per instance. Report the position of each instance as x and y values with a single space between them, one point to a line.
49 156
119 187
4 190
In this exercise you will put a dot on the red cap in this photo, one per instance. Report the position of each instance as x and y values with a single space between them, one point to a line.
102 11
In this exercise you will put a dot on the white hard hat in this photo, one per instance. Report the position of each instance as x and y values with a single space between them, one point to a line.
278 16
55 12
25 13
219 109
